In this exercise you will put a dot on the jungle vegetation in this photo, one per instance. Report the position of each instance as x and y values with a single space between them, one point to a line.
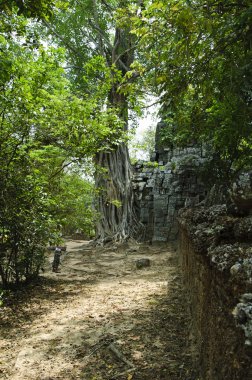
73 74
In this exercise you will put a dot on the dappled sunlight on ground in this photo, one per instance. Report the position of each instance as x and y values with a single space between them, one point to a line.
60 329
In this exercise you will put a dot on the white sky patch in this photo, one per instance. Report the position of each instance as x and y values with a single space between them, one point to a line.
146 123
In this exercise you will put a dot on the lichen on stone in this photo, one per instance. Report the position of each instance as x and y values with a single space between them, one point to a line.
243 316
225 256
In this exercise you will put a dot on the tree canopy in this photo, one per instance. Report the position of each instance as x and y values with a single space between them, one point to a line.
197 56
32 8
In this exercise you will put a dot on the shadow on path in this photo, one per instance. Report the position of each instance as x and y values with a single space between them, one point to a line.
58 328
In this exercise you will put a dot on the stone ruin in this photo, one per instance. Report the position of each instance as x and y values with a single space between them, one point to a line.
164 185
215 249
216 255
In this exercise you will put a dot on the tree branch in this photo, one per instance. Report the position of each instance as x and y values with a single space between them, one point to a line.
101 33
62 168
124 52
152 104
109 7
66 43
109 45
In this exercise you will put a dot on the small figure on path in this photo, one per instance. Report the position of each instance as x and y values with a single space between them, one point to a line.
56 259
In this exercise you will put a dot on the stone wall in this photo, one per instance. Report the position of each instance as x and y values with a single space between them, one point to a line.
217 262
164 186
216 252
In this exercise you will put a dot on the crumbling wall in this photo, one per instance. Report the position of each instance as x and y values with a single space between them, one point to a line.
216 250
164 187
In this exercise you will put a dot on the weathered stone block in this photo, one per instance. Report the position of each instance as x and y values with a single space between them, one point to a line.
164 189
218 274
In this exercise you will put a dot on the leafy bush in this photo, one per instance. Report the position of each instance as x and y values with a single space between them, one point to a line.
25 223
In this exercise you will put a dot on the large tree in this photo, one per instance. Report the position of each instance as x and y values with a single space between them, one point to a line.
101 48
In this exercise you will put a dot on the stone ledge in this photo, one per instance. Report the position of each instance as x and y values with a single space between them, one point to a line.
217 265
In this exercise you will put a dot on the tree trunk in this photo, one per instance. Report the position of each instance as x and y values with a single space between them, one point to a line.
115 203
117 219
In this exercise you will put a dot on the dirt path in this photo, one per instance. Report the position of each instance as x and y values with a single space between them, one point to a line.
68 325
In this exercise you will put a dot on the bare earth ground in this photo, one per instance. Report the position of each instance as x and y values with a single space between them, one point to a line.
100 318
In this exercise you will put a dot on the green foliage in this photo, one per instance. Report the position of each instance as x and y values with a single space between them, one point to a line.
151 164
84 29
72 205
198 58
116 203
32 8
44 129
24 221
100 52
173 165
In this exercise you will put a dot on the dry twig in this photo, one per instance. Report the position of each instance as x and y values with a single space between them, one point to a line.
119 355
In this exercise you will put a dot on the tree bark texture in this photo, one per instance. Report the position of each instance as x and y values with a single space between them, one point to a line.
115 205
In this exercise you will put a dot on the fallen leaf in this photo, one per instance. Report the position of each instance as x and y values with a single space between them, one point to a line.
137 355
